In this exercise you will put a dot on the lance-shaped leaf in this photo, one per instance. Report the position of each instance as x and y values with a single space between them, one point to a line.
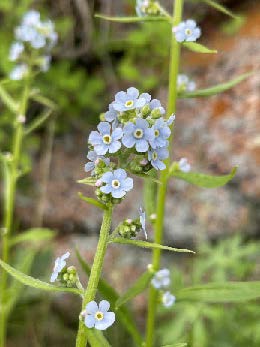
220 8
219 88
90 181
91 201
132 19
8 100
221 292
145 244
34 235
35 283
198 48
125 317
97 339
138 287
202 180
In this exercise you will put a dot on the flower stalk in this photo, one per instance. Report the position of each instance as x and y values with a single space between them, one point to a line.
95 274
160 210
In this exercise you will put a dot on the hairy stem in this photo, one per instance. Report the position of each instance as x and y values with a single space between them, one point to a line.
95 274
160 210
10 182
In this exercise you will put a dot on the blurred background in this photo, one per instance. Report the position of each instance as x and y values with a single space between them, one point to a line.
95 59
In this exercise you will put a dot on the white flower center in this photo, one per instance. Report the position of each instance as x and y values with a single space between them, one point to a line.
99 315
188 31
115 184
129 103
156 133
138 133
107 139
154 157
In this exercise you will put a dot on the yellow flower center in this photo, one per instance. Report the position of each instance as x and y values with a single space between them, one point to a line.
138 133
154 156
129 103
115 184
99 315
188 31
156 133
107 139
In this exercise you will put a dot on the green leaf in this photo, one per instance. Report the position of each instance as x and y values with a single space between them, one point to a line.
176 345
138 287
33 235
90 181
97 339
221 292
125 317
220 8
37 122
44 101
91 201
35 283
131 19
219 88
145 244
8 100
198 48
202 180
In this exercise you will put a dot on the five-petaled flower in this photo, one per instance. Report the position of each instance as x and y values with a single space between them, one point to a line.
168 299
129 100
156 157
59 265
154 104
97 316
184 83
138 135
106 139
161 279
117 183
184 165
161 133
187 31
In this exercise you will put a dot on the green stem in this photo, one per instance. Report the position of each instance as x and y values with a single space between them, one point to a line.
95 274
10 182
160 210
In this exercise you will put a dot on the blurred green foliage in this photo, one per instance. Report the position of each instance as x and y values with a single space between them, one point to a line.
214 325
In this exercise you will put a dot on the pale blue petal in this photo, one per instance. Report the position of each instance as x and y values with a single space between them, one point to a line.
106 189
128 184
104 128
190 23
119 98
129 128
89 321
132 93
114 146
107 177
141 123
101 149
104 306
142 146
120 174
91 307
140 102
117 133
54 276
128 141
89 166
180 36
94 138
109 319
146 96
118 193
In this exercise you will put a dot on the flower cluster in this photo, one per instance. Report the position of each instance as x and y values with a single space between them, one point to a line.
185 84
31 35
133 133
160 281
187 31
147 8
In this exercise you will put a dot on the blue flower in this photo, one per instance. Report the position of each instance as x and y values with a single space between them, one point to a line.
184 166
184 83
153 104
161 133
142 221
94 158
117 183
105 140
97 316
129 100
19 72
138 135
141 7
16 50
111 114
187 31
60 263
168 299
161 279
156 156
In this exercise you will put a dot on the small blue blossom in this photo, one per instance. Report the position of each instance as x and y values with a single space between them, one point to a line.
97 316
154 104
60 263
117 183
161 133
129 100
156 156
161 279
184 83
94 159
184 166
187 31
168 299
19 72
138 135
105 140
16 50
142 221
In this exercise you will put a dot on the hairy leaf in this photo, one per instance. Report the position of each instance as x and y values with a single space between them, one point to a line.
131 19
93 202
198 48
35 283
